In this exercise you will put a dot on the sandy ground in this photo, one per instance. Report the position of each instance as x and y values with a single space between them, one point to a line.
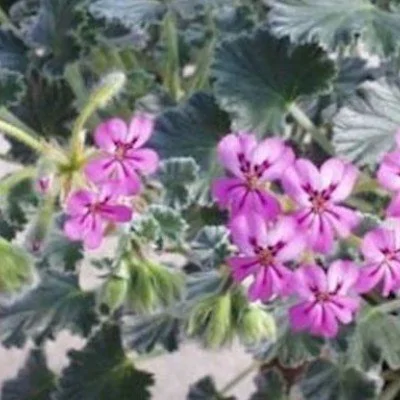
173 372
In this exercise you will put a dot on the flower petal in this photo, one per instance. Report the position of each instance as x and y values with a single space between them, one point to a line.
229 149
109 133
342 276
78 202
224 190
143 160
248 231
342 219
308 279
116 213
393 209
299 316
340 176
243 267
369 277
373 243
389 171
100 169
140 130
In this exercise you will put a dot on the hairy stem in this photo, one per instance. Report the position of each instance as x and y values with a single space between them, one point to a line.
22 136
305 122
240 377
107 89
389 306
391 391
16 177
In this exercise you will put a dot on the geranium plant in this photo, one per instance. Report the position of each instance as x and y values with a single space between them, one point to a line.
256 140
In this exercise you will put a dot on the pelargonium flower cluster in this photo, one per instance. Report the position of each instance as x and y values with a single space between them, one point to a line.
113 175
285 211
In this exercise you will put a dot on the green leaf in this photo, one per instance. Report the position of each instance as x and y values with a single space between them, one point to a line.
60 253
34 380
144 333
170 222
258 77
205 389
327 381
270 384
12 87
177 175
333 23
101 371
55 33
56 303
13 52
377 336
364 130
143 12
15 267
210 247
192 129
16 207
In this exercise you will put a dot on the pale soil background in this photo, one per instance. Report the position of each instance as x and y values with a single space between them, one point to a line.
173 372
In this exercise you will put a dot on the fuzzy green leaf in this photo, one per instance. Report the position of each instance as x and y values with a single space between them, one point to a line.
144 333
327 381
376 337
34 380
13 52
55 33
192 129
12 87
258 77
15 267
101 371
56 303
177 175
60 253
170 223
335 22
270 384
210 247
364 130
16 207
205 389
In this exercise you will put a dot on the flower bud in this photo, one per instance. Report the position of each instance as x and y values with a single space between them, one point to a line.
256 324
113 293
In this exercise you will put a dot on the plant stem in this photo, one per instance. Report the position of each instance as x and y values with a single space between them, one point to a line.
16 177
107 89
391 391
21 136
242 375
305 122
389 306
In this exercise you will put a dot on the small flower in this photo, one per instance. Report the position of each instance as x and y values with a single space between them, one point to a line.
327 298
253 166
43 184
122 157
263 252
90 211
317 194
381 251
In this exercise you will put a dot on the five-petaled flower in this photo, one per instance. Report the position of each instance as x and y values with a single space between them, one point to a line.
327 298
381 251
263 251
317 194
252 166
90 211
122 158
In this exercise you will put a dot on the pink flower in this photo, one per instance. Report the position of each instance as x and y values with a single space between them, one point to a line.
263 252
326 298
90 211
123 158
389 171
381 251
393 209
317 194
252 166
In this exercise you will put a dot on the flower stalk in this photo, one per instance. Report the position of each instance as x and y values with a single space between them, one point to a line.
302 119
